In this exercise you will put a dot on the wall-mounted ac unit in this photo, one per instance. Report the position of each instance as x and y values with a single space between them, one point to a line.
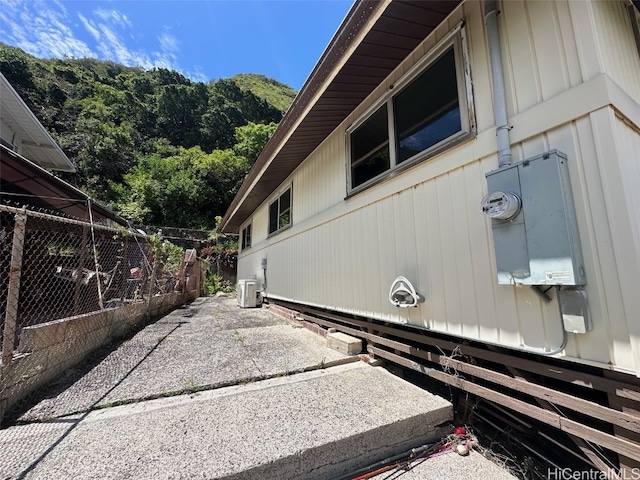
247 293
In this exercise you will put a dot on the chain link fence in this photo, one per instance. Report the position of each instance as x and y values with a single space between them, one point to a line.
68 287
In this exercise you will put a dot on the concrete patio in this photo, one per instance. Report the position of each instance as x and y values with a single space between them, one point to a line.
215 391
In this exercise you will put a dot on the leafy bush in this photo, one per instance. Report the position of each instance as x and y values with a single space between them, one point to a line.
220 257
166 253
215 283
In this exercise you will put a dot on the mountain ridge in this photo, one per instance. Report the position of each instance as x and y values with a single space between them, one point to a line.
118 123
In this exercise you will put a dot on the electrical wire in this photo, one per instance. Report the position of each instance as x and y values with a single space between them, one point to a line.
402 460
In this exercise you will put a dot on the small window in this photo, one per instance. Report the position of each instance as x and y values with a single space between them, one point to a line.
425 113
246 237
280 212
370 148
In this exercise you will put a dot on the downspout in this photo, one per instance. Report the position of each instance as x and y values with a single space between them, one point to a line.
499 98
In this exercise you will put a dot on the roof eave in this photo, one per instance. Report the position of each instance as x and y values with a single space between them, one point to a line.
345 75
352 23
61 162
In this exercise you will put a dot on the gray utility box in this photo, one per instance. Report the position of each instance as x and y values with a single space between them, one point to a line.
535 233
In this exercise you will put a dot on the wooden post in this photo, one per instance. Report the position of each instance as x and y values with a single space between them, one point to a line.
81 259
95 257
198 276
11 315
152 283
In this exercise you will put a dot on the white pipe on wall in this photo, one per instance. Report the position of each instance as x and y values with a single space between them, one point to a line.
499 99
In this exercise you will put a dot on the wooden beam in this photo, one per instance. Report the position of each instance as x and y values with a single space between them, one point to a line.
627 465
13 293
616 444
592 455
615 417
564 374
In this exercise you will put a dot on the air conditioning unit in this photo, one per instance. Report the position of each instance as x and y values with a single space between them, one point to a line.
248 293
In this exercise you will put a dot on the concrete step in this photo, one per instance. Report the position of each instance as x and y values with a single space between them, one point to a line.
313 425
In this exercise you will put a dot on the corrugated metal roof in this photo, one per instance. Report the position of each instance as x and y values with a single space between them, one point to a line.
347 72
26 183
36 143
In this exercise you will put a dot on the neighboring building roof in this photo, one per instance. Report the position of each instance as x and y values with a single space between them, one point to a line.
373 39
25 183
24 179
36 143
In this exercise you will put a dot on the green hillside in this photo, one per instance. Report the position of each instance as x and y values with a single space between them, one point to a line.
275 93
156 146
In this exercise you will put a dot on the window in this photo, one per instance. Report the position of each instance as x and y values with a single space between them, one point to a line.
425 114
280 212
246 237
428 110
370 148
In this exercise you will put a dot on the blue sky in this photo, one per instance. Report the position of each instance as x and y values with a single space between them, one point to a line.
203 39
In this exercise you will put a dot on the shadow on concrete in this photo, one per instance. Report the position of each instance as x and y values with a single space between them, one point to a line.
77 421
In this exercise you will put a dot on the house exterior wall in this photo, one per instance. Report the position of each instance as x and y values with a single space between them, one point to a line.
572 74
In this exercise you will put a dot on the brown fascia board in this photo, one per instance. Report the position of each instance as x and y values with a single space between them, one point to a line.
355 20
278 160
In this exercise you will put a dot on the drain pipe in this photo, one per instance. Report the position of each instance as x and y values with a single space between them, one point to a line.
499 99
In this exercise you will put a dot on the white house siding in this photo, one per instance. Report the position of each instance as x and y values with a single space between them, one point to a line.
425 224
617 138
620 57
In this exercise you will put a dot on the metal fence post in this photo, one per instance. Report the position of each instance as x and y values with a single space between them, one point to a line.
11 315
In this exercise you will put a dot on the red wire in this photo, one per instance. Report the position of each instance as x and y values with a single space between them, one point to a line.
380 470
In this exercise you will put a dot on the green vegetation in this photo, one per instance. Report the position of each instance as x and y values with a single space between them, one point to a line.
275 93
190 386
155 146
221 255
166 253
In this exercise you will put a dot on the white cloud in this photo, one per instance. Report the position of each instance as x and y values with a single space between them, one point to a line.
44 29
88 25
168 43
196 75
111 27
112 16
40 28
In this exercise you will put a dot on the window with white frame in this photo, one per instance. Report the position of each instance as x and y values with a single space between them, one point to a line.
280 212
425 113
246 237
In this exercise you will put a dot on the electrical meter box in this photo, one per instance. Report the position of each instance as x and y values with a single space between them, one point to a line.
535 233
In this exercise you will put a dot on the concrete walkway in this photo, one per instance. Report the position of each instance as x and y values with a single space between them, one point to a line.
215 391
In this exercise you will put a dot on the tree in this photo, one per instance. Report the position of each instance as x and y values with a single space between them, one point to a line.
223 171
15 66
179 111
159 147
230 107
252 138
187 188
